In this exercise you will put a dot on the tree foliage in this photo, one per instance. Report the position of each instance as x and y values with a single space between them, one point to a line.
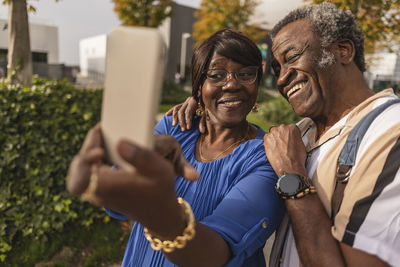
215 15
148 13
378 19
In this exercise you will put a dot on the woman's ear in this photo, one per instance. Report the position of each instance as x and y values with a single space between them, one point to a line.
346 51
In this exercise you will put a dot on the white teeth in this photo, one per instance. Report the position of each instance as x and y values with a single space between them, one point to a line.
295 88
231 102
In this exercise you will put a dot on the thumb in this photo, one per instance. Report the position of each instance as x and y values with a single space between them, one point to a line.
185 169
168 147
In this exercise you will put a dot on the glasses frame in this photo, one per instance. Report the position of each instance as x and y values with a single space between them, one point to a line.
232 74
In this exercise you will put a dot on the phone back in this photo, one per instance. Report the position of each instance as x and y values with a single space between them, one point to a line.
135 60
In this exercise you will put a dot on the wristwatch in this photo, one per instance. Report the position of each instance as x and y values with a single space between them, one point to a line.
293 186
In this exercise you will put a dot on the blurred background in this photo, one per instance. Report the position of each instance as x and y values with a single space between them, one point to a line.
52 67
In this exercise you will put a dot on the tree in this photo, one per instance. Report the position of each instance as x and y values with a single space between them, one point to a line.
215 15
19 68
148 13
379 20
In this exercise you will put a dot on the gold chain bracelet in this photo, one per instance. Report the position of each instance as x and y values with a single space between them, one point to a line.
179 241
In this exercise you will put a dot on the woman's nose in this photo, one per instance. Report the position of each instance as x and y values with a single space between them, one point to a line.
231 81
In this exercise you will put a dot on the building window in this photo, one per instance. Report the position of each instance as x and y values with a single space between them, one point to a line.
36 56
3 54
39 57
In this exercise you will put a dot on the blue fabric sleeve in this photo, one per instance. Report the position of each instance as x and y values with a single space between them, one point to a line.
164 125
116 215
250 212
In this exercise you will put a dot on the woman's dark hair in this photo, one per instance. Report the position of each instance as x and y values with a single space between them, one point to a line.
228 43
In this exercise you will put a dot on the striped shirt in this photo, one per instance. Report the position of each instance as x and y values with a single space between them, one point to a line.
369 216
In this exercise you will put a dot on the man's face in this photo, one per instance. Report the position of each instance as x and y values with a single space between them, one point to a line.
306 85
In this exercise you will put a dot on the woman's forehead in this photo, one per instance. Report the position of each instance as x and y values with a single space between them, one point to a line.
218 59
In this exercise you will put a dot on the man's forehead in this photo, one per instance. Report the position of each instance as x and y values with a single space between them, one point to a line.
292 33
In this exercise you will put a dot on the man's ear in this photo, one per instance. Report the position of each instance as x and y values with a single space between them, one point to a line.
345 51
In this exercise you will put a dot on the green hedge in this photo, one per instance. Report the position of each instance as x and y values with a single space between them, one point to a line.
173 93
41 128
278 111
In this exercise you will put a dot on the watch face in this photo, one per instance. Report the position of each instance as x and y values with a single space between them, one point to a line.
289 184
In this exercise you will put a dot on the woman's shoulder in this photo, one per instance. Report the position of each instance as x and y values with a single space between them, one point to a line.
164 126
251 151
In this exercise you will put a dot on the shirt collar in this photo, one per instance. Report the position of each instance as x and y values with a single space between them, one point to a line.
309 129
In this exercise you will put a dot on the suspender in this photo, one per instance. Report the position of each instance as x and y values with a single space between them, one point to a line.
348 154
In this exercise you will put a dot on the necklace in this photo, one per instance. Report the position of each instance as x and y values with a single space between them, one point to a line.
244 138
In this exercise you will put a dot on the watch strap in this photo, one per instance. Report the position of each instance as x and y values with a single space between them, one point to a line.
303 193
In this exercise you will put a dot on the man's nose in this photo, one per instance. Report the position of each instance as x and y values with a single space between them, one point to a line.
284 76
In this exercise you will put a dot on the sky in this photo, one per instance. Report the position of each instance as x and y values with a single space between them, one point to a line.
78 19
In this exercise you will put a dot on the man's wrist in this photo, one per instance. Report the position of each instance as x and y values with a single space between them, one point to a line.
294 186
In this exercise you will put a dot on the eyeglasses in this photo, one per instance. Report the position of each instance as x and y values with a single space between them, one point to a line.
244 76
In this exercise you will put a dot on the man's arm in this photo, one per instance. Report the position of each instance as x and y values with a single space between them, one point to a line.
310 223
315 244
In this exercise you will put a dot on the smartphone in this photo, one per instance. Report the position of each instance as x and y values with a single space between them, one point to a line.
135 60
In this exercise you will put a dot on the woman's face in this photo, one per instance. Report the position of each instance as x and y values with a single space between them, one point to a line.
228 102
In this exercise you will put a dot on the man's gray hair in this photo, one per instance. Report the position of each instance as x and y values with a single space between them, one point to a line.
331 24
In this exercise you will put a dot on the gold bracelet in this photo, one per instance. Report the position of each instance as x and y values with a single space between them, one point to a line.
89 194
179 241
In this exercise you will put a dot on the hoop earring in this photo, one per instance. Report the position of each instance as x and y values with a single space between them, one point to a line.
199 110
255 108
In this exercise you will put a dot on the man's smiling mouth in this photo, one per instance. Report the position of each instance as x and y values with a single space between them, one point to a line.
295 89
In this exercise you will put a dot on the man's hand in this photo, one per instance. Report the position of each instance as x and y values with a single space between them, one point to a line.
310 223
184 112
285 150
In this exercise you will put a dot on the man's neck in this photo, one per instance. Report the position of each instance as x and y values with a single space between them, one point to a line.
351 95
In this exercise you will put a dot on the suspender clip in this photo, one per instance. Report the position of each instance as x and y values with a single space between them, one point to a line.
343 173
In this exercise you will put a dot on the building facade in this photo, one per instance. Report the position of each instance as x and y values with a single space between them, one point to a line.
176 31
44 46
383 71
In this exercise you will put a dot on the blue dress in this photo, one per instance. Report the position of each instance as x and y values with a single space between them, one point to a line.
234 196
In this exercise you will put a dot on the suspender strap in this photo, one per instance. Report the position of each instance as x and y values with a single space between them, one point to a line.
348 154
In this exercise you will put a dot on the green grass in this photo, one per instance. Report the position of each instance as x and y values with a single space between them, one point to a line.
102 243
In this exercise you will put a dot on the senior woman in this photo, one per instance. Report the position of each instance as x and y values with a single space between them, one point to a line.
234 205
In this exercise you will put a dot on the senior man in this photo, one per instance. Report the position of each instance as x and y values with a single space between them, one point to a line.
318 58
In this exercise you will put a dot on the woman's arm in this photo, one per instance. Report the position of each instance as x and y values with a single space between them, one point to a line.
147 195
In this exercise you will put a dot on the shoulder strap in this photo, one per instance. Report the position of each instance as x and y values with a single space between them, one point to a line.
349 151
